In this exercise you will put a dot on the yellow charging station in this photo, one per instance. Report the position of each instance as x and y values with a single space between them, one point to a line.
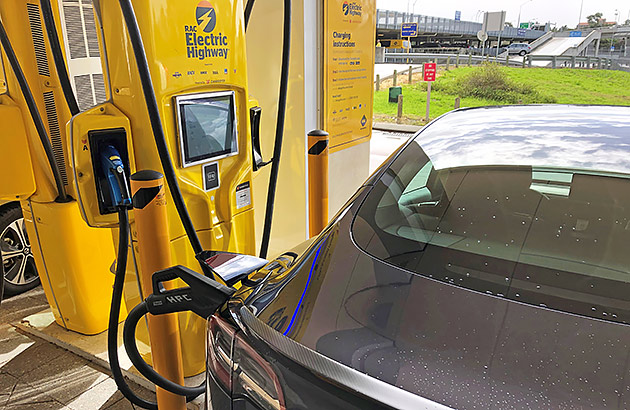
72 259
197 60
196 57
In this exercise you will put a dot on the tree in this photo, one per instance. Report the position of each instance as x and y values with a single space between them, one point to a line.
508 24
595 20
627 23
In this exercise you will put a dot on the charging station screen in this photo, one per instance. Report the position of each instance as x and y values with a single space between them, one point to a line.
207 126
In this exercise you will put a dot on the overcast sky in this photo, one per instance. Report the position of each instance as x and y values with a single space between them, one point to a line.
556 11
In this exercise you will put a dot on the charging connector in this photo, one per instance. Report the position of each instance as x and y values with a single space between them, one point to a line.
114 169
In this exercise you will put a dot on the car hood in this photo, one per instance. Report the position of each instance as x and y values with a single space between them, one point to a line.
455 346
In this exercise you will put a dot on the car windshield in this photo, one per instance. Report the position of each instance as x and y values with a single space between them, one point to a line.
552 236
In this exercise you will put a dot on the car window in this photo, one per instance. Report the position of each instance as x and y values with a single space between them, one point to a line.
550 237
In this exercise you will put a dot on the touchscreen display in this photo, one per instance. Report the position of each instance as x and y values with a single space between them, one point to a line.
207 127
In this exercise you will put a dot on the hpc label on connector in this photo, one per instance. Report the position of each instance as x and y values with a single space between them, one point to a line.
243 195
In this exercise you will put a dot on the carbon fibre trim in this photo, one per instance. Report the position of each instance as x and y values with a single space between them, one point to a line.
361 383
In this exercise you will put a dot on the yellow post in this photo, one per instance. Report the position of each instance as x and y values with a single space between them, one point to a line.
149 204
317 181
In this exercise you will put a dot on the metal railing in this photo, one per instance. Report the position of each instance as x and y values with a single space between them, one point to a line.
448 59
602 63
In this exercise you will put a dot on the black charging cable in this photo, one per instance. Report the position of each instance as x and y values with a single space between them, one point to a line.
35 115
112 335
277 147
114 313
129 339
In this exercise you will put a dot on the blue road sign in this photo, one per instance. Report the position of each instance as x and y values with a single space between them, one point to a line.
409 30
521 32
576 33
458 15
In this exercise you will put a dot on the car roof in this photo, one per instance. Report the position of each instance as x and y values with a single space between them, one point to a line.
584 137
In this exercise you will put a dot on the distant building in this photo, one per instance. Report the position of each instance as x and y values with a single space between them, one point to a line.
602 23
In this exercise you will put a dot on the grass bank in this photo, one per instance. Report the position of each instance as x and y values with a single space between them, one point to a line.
495 85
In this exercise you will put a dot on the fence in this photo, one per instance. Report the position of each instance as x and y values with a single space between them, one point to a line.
447 59
604 63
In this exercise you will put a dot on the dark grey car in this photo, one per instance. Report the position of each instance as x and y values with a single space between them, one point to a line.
485 265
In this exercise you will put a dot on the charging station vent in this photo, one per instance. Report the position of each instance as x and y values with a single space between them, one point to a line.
90 90
38 39
81 40
55 134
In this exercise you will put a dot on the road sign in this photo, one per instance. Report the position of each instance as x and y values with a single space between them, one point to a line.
524 25
521 32
494 21
458 15
482 35
576 33
409 30
429 71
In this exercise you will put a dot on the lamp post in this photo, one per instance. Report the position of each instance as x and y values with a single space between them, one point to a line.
616 17
518 25
413 6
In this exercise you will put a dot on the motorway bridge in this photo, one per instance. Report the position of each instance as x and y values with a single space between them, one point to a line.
443 30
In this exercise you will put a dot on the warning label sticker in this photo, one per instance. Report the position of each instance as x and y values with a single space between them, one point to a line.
243 195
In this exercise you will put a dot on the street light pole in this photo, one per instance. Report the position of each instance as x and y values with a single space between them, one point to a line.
413 6
580 19
518 25
616 17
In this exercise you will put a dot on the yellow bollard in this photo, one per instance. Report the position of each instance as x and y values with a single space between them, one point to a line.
149 204
317 181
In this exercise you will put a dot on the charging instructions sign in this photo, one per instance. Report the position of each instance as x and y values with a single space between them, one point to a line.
350 35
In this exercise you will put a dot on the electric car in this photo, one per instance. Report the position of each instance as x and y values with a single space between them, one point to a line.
486 264
20 273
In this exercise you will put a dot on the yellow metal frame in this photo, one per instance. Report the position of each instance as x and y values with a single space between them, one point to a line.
102 117
173 39
16 165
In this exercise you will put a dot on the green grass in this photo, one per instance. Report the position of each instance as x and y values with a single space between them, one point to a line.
529 85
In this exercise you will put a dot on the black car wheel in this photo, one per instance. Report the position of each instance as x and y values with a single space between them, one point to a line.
20 273
522 53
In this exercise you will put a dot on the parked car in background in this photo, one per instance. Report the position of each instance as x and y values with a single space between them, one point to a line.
20 273
1 281
519 48
484 265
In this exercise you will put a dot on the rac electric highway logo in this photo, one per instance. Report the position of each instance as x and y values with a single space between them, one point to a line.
206 16
201 42
352 9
